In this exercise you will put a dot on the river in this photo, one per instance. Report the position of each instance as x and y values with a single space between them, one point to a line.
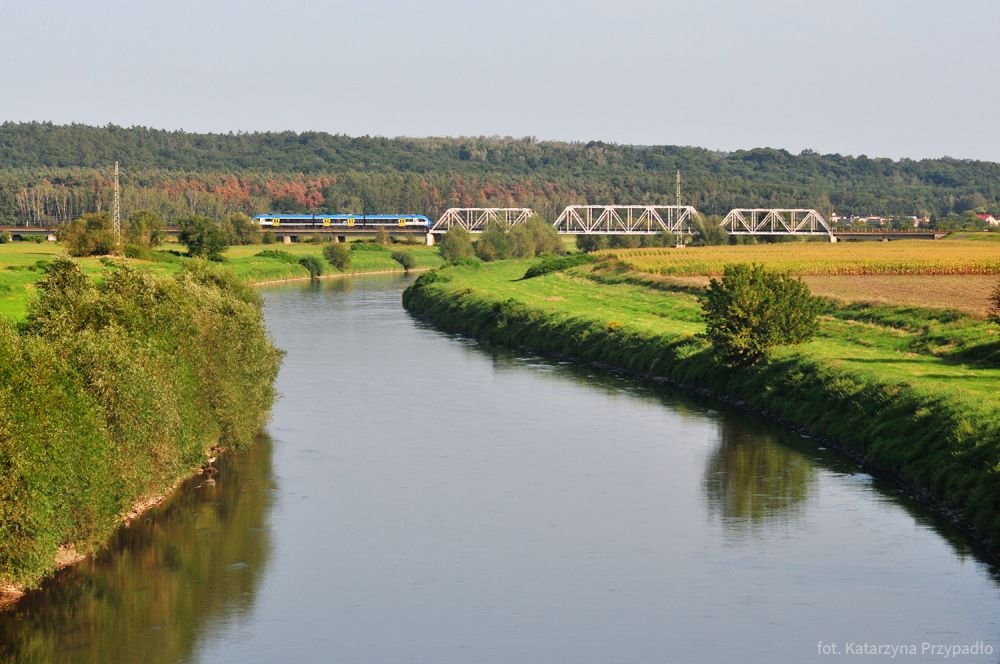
420 498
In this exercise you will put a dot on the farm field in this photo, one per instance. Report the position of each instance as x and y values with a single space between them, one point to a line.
912 257
968 293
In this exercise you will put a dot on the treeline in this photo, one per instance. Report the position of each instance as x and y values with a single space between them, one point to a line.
50 172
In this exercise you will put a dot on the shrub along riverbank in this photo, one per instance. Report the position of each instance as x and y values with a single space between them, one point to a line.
911 393
112 391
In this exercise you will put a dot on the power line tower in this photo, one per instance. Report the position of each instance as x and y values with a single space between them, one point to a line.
116 215
678 203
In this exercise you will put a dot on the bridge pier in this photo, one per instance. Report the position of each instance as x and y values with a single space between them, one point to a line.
429 240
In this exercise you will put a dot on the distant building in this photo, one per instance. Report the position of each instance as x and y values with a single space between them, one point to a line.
989 219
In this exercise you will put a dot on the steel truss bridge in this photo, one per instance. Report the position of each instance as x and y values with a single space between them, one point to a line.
760 221
626 219
643 220
477 220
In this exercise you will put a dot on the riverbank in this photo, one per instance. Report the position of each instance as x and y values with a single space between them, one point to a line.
22 265
113 392
910 393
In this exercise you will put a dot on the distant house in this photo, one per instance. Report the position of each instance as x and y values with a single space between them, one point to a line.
989 219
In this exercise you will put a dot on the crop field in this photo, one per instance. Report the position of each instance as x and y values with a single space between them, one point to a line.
912 257
969 293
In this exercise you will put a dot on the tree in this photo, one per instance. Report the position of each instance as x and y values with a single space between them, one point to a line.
752 310
710 230
544 235
494 243
382 236
144 228
240 229
457 245
202 237
339 255
589 243
522 243
90 235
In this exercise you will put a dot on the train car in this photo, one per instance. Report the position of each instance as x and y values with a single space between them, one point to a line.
360 221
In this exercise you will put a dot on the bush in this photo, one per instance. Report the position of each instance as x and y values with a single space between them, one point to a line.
556 263
457 245
4 237
382 236
90 235
367 246
148 373
313 264
339 255
405 259
267 237
752 310
202 237
279 255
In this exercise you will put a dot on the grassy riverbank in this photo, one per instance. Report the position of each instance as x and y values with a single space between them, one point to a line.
113 391
22 263
911 392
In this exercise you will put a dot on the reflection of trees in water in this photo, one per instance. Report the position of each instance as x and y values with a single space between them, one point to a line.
750 479
163 580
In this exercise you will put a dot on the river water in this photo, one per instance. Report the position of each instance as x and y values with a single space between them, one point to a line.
421 498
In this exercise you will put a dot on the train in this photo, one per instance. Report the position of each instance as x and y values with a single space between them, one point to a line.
300 221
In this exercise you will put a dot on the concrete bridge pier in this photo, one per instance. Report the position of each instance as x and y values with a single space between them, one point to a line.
429 240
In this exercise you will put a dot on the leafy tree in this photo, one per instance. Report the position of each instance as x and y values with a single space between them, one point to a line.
202 237
544 236
240 229
382 236
457 245
521 241
589 243
494 243
90 235
338 255
144 228
710 231
404 258
752 310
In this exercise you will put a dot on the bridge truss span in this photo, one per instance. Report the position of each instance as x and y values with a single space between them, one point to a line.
762 221
476 220
626 219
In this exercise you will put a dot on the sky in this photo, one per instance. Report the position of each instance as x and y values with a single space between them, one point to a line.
885 78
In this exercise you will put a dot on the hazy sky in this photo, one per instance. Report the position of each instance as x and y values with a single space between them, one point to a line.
915 78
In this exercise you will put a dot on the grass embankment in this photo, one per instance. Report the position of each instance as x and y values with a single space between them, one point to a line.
912 392
111 392
21 265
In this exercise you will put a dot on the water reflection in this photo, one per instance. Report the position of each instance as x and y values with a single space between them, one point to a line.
750 478
162 582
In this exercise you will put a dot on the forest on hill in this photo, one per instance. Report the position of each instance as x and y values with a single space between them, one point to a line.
52 173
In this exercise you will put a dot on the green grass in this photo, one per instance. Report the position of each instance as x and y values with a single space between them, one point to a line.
17 278
911 391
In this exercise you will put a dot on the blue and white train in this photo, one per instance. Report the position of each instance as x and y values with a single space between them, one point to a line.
359 221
